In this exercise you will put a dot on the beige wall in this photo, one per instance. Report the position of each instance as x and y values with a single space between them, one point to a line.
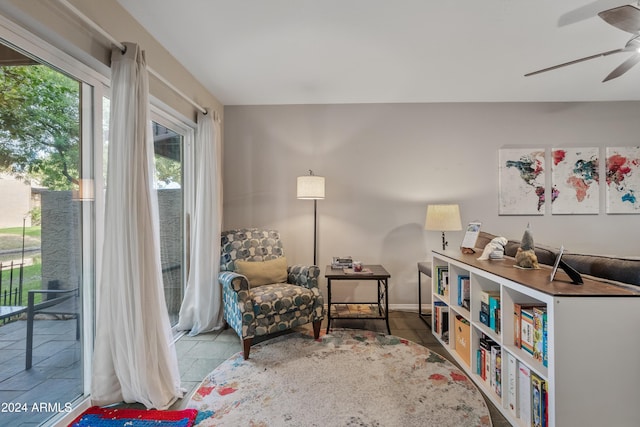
55 24
384 163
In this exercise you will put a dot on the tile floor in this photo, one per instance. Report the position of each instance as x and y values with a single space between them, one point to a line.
199 355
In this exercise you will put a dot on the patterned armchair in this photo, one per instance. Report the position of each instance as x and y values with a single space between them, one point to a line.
261 294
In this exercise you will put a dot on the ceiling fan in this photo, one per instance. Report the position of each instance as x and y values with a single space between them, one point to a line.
625 18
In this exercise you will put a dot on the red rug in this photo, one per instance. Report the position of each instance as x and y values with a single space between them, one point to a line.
119 417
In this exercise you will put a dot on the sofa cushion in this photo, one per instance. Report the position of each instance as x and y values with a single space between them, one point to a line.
619 269
260 273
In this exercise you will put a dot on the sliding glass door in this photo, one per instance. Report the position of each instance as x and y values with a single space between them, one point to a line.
169 169
47 232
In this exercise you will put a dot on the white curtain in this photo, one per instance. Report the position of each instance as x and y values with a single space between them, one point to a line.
201 309
134 359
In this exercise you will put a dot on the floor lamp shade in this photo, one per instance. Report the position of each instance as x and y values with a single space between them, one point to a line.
310 187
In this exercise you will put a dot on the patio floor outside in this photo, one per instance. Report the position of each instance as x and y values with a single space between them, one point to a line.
28 398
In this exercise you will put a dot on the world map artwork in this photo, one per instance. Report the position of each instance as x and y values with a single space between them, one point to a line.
623 179
522 181
575 181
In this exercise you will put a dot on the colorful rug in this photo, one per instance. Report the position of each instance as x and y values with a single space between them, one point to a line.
347 378
120 417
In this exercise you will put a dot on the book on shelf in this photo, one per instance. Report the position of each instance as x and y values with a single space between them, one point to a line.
538 401
484 313
526 330
484 295
496 361
512 384
488 303
341 262
517 322
445 283
464 291
545 342
441 317
485 346
442 280
494 304
524 394
538 332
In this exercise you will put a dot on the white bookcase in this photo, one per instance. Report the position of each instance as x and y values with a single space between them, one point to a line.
593 342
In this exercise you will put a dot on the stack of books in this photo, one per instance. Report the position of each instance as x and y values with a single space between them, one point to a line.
341 263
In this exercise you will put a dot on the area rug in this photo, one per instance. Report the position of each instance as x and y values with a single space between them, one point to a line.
346 378
120 417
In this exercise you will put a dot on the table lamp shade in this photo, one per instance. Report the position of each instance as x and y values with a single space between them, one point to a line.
310 187
443 218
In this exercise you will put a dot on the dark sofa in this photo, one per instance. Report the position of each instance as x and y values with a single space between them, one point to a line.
611 269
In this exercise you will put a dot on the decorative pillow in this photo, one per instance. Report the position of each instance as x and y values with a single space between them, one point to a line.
260 273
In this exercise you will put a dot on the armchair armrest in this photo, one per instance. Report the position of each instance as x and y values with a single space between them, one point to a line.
236 299
303 275
236 282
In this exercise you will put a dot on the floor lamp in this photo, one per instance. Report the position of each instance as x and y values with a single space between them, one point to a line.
443 218
311 187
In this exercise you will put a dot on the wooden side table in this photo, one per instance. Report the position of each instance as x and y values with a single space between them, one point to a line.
423 268
378 274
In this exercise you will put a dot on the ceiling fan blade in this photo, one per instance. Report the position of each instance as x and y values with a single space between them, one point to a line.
623 68
626 18
575 61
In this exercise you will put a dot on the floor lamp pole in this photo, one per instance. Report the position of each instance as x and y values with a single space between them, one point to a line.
315 229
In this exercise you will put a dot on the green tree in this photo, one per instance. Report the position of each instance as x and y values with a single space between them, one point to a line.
168 170
39 125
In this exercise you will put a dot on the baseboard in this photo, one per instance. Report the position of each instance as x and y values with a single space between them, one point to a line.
426 308
410 307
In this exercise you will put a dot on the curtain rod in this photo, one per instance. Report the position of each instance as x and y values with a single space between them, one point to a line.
120 46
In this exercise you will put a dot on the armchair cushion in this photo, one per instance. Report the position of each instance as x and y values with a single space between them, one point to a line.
260 273
278 299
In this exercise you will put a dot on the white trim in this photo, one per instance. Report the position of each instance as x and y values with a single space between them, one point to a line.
64 420
20 38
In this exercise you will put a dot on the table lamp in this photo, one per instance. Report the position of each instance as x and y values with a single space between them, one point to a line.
443 218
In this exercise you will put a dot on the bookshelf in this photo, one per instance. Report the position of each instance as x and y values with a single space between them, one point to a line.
586 356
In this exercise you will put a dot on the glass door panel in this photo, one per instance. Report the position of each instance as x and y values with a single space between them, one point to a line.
169 148
43 224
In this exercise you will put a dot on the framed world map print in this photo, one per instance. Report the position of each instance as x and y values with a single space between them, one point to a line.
522 181
623 180
575 181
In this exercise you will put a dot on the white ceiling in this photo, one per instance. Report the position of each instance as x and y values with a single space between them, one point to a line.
251 52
